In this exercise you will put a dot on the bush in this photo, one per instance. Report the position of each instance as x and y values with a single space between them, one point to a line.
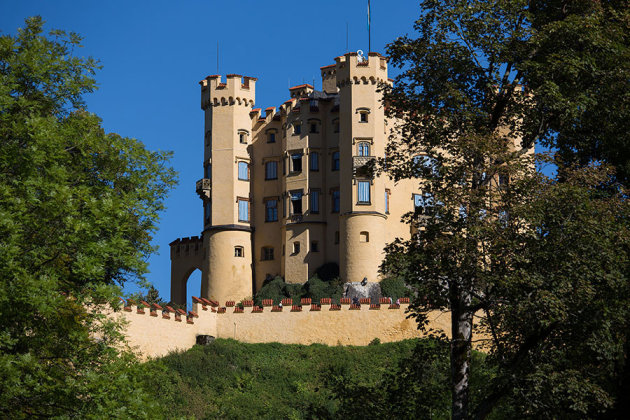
394 287
328 272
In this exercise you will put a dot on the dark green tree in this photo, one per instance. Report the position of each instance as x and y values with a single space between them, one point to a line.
480 84
77 210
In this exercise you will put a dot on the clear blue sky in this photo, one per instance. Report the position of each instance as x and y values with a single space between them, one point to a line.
154 53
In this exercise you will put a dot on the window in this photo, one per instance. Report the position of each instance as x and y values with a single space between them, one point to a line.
336 125
364 149
271 210
284 209
296 162
239 252
335 161
314 202
296 202
387 193
207 171
243 210
296 248
208 137
266 253
336 236
424 165
207 211
243 171
271 170
423 203
363 114
314 246
313 127
335 201
297 128
271 137
364 236
314 161
363 191
242 137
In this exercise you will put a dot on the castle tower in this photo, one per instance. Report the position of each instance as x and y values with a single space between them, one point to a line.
363 212
225 188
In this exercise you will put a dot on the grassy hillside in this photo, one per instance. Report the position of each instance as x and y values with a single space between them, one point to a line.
229 379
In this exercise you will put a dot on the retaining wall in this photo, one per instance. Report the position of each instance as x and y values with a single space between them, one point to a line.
157 331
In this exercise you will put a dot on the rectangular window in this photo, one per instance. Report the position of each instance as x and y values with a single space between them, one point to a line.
336 126
297 128
313 128
296 202
364 149
242 138
364 191
243 210
271 211
271 170
314 201
208 171
266 253
314 161
239 251
336 236
271 138
364 116
387 192
208 211
335 201
335 161
296 248
314 246
296 162
243 171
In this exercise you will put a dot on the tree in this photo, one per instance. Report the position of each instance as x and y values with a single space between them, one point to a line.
77 209
479 86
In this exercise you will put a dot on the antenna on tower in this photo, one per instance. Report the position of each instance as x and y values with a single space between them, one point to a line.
368 27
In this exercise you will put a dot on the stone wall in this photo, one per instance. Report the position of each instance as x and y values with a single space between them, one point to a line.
157 331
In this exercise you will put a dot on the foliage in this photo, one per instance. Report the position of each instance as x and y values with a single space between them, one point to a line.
229 379
78 207
481 83
394 287
314 288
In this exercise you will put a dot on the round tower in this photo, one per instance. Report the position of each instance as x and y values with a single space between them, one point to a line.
225 188
361 139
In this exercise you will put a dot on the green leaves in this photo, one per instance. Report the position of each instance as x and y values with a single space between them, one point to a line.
77 209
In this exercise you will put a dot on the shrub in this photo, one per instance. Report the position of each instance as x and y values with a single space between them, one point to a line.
394 287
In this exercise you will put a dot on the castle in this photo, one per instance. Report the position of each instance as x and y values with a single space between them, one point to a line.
288 190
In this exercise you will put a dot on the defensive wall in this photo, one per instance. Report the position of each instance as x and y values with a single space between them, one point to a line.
154 331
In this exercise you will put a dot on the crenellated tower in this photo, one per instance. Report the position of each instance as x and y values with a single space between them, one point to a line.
225 188
362 138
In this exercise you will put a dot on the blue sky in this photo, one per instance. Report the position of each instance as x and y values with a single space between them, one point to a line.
154 54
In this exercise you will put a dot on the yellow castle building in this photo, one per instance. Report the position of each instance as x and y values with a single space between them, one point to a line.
285 190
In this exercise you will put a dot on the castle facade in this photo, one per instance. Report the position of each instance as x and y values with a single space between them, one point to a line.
286 190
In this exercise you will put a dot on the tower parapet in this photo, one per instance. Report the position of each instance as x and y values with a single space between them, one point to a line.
237 90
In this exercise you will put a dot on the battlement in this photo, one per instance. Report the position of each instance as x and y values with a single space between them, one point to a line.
237 90
155 330
349 69
185 247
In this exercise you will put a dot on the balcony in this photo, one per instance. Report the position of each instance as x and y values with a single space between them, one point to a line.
297 218
204 188
361 165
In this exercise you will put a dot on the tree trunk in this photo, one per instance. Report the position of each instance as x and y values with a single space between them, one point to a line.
461 330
